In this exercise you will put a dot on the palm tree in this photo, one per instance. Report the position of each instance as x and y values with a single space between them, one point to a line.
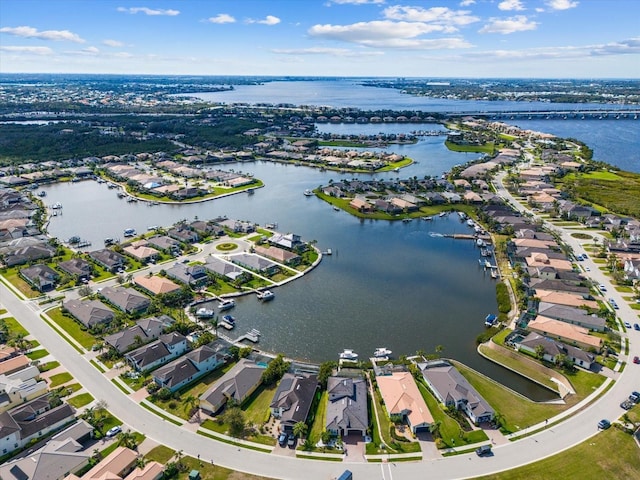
193 405
128 440
300 429
434 429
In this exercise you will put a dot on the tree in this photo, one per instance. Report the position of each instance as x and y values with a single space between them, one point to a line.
300 429
275 370
325 436
192 403
234 417
128 440
434 428
540 351
325 371
85 291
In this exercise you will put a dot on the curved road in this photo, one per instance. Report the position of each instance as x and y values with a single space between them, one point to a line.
576 429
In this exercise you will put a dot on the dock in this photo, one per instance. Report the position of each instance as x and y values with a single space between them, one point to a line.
252 335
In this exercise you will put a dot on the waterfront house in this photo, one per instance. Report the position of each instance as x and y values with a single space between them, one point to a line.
126 299
166 348
387 207
155 285
78 268
293 399
255 263
226 270
361 205
236 226
237 384
188 368
41 277
565 333
142 332
572 315
164 243
347 411
564 298
89 312
28 253
553 349
194 276
402 397
141 251
453 390
108 259
279 255
183 235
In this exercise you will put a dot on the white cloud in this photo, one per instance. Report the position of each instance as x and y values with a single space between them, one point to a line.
519 23
356 2
30 32
28 50
268 20
435 15
112 43
336 52
466 3
562 4
93 51
149 11
222 18
509 5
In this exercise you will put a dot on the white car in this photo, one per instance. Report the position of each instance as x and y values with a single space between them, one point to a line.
602 288
114 431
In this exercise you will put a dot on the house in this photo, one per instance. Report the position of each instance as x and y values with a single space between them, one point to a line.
293 399
289 241
572 315
402 397
78 268
279 255
42 277
142 332
225 270
89 312
126 299
452 389
117 465
20 386
188 368
164 243
256 263
141 252
361 205
237 226
183 235
237 384
552 349
156 285
347 411
565 332
563 298
108 259
30 421
194 276
28 253
166 348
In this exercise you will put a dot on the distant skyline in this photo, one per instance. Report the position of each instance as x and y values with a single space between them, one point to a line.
406 38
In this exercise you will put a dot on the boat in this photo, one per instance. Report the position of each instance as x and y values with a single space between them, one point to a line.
74 240
204 313
121 195
42 194
271 226
308 193
348 354
427 219
442 214
487 264
229 320
470 222
337 209
382 352
480 243
462 215
490 320
494 274
152 228
132 199
251 191
56 206
226 304
485 253
327 252
396 170
266 295
130 232
407 220
109 241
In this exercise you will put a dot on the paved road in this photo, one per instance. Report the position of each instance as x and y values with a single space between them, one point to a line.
576 429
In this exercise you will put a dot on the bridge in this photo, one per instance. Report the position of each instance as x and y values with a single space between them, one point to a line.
552 114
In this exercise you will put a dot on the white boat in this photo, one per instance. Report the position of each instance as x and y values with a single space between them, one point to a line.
266 295
494 274
348 354
427 219
382 352
407 220
327 252
471 223
308 193
229 320
204 313
226 304
130 232
480 243
154 227
442 214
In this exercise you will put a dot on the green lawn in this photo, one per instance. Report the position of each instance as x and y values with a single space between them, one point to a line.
160 454
319 421
384 429
37 354
256 408
14 327
14 278
59 379
80 400
73 328
45 367
611 454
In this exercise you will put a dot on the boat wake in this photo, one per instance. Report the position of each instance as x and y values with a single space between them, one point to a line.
435 234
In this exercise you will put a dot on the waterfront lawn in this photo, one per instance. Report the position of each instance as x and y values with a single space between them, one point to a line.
611 454
73 328
518 411
256 407
488 147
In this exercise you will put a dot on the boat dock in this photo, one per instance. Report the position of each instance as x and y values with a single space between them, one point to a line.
252 335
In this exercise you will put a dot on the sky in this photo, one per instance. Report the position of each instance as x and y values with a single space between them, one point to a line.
391 38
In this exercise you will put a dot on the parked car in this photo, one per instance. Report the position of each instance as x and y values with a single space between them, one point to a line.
604 424
282 439
627 405
291 442
636 326
484 451
602 288
634 397
636 359
627 324
114 431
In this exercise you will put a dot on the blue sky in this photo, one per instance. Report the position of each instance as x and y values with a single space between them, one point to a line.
411 38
